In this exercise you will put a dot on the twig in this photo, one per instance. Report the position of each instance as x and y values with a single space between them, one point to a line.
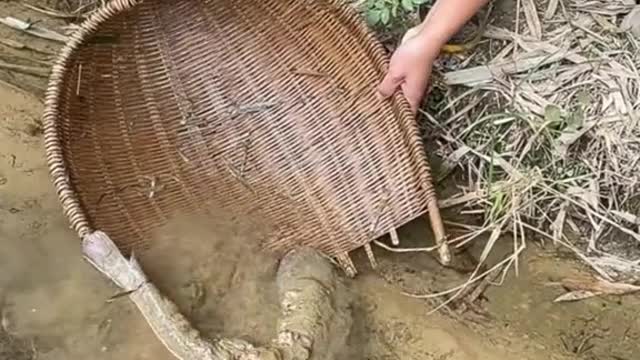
11 57
480 289
20 46
405 250
460 199
52 13
79 80
33 30
30 70
371 256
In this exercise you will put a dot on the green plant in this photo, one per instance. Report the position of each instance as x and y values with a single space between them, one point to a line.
385 13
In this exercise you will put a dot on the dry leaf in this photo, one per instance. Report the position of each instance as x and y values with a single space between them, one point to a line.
575 296
452 161
631 22
604 23
628 217
584 195
558 223
604 7
551 9
533 21
461 199
570 135
485 74
586 287
594 193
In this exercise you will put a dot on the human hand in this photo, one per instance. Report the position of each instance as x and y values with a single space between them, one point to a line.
410 68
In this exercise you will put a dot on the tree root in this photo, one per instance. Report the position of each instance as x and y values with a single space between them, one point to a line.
314 323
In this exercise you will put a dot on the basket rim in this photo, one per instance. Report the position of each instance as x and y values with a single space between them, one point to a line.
55 155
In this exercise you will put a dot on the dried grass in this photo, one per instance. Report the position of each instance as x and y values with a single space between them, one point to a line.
548 130
65 8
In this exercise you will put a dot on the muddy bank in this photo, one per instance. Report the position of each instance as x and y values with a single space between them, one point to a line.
54 298
56 304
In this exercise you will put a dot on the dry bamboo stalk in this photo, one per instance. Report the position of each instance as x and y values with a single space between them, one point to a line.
482 74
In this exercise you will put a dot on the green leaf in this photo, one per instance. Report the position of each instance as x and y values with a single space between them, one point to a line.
553 114
419 2
498 204
584 98
385 15
373 17
575 120
407 4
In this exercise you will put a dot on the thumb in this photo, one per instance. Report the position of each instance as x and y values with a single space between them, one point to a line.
389 84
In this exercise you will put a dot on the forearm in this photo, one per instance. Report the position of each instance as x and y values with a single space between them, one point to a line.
446 18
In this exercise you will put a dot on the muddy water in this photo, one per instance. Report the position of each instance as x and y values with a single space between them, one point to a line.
54 305
212 267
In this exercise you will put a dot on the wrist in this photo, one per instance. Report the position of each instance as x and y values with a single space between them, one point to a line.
431 41
433 34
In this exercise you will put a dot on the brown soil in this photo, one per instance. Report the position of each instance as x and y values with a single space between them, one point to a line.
54 303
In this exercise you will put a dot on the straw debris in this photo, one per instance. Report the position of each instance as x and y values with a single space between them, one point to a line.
545 122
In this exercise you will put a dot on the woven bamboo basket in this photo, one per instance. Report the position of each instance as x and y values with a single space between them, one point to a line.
264 108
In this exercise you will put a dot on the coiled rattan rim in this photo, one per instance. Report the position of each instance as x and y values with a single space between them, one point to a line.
55 157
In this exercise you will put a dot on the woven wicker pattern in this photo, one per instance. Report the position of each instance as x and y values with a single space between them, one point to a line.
264 108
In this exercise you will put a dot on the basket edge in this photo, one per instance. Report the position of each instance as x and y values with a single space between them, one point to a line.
54 153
